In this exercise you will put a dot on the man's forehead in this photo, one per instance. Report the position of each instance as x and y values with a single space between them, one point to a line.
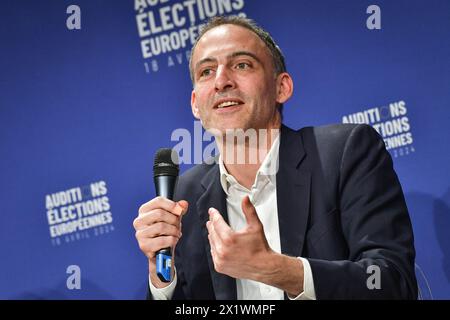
227 37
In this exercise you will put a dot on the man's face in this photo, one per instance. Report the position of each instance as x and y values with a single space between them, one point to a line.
235 85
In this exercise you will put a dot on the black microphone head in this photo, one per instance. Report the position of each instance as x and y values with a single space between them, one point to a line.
166 163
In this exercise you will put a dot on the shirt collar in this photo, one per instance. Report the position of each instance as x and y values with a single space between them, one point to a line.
269 168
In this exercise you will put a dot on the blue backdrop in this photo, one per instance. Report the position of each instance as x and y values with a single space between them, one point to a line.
82 112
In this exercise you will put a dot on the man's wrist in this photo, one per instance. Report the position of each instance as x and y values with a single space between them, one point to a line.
283 272
165 293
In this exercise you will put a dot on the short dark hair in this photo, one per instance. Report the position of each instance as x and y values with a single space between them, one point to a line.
275 51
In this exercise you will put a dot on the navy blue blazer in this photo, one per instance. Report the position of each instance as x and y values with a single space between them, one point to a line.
340 205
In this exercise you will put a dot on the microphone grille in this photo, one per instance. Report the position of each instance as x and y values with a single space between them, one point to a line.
166 163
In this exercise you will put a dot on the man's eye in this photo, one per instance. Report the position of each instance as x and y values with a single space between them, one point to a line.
242 65
205 73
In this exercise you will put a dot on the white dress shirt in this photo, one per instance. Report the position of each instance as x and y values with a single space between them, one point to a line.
263 195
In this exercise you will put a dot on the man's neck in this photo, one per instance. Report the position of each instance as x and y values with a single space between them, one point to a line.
243 159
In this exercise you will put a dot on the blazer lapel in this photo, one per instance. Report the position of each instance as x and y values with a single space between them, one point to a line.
293 193
214 196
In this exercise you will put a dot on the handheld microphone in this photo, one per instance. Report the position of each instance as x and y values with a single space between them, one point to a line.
165 176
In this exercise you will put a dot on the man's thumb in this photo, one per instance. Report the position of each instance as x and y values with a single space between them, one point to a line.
249 211
181 207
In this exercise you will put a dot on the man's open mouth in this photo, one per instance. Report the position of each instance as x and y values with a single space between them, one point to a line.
227 103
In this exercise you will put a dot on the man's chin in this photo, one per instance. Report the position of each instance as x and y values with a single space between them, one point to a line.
228 130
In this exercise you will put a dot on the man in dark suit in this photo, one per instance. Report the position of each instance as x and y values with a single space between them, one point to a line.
330 222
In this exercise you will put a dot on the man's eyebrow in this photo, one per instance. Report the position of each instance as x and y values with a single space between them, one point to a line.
232 55
204 60
244 53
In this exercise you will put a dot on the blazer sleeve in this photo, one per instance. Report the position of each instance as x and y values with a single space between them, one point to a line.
376 226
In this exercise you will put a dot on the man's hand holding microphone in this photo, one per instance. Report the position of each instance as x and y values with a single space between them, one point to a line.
158 225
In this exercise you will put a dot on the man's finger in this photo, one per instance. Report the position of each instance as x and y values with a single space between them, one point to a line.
212 236
158 215
221 229
176 208
184 205
249 212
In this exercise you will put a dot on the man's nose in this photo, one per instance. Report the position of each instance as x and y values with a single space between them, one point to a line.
224 79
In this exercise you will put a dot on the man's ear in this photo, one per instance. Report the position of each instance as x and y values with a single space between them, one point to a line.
194 108
285 87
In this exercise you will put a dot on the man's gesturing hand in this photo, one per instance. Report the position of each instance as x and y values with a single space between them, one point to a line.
240 254
245 254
